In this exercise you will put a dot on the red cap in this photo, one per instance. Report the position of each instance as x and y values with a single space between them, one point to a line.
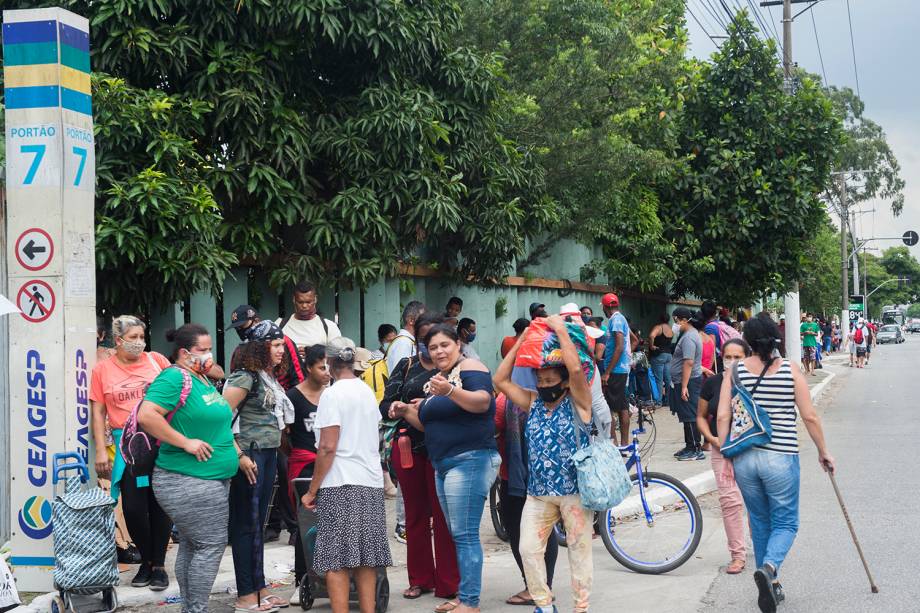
610 300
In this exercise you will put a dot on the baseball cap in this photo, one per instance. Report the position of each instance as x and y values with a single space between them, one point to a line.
572 310
682 313
534 307
610 300
241 315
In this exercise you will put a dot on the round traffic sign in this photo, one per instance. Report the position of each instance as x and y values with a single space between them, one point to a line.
34 249
910 238
36 301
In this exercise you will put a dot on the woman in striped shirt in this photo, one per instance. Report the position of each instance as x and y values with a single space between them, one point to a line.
768 475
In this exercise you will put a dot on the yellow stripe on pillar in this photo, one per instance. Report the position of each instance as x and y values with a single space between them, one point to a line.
35 75
76 80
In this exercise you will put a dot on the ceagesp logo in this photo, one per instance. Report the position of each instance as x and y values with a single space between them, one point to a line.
35 518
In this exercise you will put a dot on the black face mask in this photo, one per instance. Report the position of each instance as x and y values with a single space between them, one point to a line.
243 333
551 393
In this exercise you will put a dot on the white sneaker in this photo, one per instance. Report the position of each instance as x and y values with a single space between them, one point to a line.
295 597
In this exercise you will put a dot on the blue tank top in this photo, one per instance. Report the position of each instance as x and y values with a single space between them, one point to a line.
552 440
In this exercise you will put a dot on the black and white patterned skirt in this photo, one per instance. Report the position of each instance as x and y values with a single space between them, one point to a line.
352 529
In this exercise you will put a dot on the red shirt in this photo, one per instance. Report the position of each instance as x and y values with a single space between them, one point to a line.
507 343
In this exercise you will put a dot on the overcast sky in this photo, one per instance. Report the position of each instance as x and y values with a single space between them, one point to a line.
887 39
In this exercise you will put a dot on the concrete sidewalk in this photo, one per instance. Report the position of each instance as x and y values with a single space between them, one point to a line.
679 590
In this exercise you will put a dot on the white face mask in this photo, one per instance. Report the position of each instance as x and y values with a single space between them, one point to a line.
729 363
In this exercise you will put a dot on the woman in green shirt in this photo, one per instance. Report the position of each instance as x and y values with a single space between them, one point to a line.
262 412
197 458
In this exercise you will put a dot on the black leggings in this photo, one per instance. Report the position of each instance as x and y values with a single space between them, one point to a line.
512 508
692 436
148 524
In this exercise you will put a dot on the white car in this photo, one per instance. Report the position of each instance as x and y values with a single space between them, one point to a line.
890 334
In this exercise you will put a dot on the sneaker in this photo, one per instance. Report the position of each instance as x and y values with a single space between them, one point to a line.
778 593
766 598
681 452
692 454
685 454
142 578
400 534
159 580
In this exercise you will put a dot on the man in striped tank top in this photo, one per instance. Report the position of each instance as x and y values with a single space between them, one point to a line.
768 475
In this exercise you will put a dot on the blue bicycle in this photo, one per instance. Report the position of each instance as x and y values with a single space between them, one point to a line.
659 525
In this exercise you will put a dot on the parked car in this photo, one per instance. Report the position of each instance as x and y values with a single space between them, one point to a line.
914 327
890 334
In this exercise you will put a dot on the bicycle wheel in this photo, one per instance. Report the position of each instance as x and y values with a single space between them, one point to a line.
664 543
495 508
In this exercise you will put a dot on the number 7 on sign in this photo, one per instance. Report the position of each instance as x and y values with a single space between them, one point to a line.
81 153
39 151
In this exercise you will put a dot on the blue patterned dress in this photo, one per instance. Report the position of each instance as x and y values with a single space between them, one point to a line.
552 440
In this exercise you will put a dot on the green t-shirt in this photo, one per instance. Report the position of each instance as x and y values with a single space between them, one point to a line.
809 340
205 416
256 420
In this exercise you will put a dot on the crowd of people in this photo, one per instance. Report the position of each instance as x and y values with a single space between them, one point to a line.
422 411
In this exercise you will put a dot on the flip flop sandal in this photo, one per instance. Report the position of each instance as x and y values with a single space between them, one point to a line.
255 608
275 601
446 607
517 599
415 591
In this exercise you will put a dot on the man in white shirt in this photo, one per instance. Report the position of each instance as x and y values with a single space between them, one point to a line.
404 345
305 327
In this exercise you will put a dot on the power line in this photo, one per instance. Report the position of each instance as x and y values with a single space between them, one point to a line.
853 47
689 10
701 16
818 42
715 13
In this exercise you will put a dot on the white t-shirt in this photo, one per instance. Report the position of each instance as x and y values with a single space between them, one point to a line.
403 346
351 405
309 332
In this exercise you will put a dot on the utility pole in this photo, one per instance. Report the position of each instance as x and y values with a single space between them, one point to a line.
855 252
791 300
844 257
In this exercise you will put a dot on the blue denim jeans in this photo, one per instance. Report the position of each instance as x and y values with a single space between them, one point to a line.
769 484
661 368
462 482
248 511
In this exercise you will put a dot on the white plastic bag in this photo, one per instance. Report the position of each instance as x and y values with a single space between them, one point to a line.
9 596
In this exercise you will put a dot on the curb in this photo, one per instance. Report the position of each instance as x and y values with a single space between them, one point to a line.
705 482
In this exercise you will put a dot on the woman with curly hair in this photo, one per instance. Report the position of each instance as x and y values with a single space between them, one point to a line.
262 411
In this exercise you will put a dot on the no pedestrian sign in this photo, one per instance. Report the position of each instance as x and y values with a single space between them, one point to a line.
34 249
36 301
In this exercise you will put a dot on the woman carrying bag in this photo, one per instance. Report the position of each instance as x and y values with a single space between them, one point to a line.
767 466
555 431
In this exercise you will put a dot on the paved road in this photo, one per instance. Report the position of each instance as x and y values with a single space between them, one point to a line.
872 427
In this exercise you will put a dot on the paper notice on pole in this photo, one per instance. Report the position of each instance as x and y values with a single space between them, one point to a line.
78 281
7 307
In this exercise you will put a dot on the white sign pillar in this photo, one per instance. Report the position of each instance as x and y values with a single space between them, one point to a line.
51 176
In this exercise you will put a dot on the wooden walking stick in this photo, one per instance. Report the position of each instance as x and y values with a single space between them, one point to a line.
846 516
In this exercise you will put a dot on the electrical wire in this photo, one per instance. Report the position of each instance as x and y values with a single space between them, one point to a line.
689 10
853 47
717 15
818 42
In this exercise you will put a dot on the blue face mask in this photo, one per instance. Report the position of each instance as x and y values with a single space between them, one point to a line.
423 351
470 337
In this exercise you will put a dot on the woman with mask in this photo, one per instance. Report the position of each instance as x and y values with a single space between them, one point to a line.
768 475
305 398
457 416
117 386
424 518
263 411
347 485
466 329
733 351
558 414
197 458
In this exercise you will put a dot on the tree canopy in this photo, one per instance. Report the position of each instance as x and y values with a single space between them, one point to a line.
756 160
335 138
